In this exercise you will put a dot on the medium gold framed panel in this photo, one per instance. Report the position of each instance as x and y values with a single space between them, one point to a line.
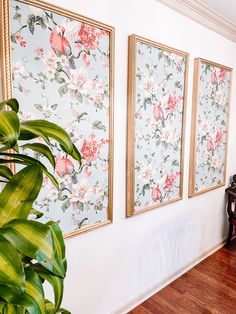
210 123
157 92
60 66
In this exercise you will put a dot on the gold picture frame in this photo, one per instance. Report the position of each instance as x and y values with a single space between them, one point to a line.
132 101
7 82
207 90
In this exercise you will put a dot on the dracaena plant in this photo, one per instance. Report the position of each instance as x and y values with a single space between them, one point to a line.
31 252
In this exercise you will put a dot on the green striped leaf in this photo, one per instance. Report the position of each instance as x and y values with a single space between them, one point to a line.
44 128
35 240
12 277
42 149
2 305
27 160
9 128
12 309
6 148
12 103
55 281
5 172
19 193
33 299
50 309
13 161
57 285
59 243
76 154
26 135
51 177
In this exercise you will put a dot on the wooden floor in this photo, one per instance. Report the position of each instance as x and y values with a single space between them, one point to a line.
210 287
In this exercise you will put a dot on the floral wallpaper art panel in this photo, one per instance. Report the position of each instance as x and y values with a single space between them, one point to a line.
159 96
211 123
61 72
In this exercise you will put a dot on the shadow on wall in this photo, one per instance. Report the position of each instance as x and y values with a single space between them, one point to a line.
174 247
171 248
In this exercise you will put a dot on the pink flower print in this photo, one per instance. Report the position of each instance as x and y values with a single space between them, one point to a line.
60 45
39 52
78 46
99 190
75 221
214 79
25 116
146 173
78 81
205 128
64 166
170 179
215 162
18 37
18 70
156 194
90 149
139 116
105 62
87 171
98 100
149 86
20 40
25 88
178 66
23 43
210 146
85 59
219 136
88 37
157 112
53 191
103 33
103 141
80 192
98 202
173 102
50 60
222 74
105 166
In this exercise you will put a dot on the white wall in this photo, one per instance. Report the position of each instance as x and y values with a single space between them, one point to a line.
115 264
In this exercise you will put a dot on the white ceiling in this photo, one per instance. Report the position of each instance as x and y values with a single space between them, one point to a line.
227 8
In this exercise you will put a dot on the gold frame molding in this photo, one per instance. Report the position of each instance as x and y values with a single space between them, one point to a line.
195 102
133 39
5 57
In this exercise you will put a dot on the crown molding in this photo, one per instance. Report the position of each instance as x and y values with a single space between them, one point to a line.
201 13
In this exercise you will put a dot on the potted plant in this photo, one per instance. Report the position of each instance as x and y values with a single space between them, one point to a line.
31 252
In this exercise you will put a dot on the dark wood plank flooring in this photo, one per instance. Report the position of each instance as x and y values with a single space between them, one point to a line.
209 287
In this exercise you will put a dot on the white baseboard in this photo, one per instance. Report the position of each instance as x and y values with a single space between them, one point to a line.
134 302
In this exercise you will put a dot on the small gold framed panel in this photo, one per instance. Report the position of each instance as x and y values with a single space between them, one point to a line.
157 92
210 123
